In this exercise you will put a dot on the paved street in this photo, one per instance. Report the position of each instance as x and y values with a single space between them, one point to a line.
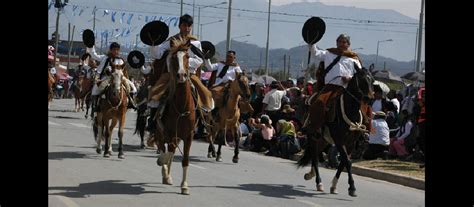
80 177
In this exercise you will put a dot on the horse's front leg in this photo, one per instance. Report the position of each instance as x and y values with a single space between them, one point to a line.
120 135
237 134
348 165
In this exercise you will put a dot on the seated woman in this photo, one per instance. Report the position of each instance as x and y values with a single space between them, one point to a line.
262 134
397 143
286 144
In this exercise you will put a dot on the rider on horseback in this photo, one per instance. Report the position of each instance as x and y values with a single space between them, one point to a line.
159 89
227 71
104 69
336 78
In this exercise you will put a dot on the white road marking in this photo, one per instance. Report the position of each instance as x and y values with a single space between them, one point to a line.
79 125
52 123
196 166
309 203
67 201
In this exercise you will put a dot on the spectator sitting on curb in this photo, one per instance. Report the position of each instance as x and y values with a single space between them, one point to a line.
379 139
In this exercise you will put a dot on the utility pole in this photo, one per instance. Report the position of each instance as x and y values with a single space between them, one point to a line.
268 37
57 37
229 18
284 66
289 64
181 13
420 35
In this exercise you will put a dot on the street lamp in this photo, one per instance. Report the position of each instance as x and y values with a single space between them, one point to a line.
378 42
200 29
199 13
236 38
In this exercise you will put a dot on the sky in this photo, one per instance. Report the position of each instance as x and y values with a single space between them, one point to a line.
409 8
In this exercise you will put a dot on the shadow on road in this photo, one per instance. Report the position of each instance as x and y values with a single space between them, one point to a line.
277 191
65 155
102 188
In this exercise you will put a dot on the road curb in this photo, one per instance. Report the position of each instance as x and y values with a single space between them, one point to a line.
382 175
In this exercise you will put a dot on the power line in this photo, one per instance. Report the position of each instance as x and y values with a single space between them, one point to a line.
305 15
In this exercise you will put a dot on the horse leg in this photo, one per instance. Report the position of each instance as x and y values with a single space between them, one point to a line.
165 159
108 141
340 167
120 135
237 134
185 164
212 137
99 127
221 139
348 165
319 184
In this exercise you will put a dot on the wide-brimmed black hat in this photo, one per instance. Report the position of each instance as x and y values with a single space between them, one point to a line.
208 49
88 38
136 59
313 30
154 33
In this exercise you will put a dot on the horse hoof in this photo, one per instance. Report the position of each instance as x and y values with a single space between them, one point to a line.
319 187
235 160
142 146
307 176
213 154
209 155
106 155
98 151
219 159
168 181
121 156
185 191
352 193
85 116
157 152
333 190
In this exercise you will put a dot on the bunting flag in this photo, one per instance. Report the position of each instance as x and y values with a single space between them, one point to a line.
106 12
130 16
113 16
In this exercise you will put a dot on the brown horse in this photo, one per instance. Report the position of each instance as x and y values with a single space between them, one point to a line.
229 118
51 82
77 89
112 109
352 119
179 114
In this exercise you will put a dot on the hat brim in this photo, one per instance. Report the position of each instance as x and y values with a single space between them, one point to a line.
208 49
313 30
139 56
154 33
88 38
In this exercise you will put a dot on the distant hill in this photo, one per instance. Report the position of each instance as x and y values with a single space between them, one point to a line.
248 56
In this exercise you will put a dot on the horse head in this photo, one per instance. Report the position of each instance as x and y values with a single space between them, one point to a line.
243 86
361 85
177 60
116 79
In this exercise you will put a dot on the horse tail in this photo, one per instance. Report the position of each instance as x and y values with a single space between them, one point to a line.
137 123
307 154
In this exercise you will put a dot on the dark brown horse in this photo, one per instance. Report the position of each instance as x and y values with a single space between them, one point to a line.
112 109
179 114
229 118
351 121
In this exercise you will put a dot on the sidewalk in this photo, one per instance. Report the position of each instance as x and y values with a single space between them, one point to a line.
382 175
